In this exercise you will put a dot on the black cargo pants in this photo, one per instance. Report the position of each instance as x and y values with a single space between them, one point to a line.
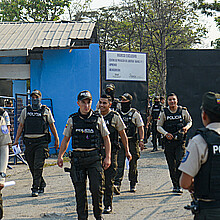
36 151
174 152
109 179
155 135
208 214
133 171
89 164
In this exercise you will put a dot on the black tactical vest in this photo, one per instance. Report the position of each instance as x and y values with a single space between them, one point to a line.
85 133
207 181
2 111
36 121
114 137
131 129
156 111
173 121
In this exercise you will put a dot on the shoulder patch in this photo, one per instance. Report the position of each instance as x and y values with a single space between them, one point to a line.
185 156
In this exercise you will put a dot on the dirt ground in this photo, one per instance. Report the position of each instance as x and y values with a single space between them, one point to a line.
153 200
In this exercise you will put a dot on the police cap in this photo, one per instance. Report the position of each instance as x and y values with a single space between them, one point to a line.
36 92
84 95
110 86
126 96
211 102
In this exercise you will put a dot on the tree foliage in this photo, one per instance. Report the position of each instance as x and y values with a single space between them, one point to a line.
32 10
77 8
210 9
150 26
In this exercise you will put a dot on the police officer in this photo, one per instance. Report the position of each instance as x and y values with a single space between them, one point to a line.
35 121
201 165
110 90
162 101
173 123
86 128
154 114
5 140
147 127
134 124
116 127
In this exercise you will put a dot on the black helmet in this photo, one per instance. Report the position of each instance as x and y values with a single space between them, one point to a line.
36 92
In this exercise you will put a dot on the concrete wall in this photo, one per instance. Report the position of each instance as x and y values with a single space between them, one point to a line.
62 74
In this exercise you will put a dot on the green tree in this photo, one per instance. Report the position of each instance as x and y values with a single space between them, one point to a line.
150 26
210 9
77 9
32 10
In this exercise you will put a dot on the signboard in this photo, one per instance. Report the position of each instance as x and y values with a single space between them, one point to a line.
126 66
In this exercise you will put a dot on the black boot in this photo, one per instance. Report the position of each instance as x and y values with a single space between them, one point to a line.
34 193
132 186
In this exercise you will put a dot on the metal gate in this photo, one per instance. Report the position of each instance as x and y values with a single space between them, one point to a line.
14 107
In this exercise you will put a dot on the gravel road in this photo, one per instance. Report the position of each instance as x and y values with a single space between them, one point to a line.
153 199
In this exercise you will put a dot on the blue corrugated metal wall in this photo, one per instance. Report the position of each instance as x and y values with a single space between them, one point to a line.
62 74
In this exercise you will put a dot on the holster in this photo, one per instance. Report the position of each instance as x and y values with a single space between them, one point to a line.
79 161
77 174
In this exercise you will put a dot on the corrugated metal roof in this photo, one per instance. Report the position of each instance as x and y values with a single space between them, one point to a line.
42 34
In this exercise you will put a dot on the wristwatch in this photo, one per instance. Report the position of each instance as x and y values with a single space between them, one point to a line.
3 175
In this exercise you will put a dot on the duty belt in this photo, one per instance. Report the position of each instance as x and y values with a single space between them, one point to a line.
209 205
37 139
85 153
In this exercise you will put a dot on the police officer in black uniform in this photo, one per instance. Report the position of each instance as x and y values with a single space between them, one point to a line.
35 121
135 128
201 165
116 128
154 114
174 122
86 128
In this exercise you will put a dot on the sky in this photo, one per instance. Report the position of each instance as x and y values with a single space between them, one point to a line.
213 31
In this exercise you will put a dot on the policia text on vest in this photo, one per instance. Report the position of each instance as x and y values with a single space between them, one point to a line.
35 121
201 165
173 123
86 156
